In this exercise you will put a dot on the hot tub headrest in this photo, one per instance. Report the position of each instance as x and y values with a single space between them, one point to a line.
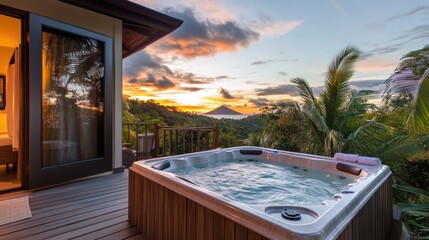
349 168
251 151
161 165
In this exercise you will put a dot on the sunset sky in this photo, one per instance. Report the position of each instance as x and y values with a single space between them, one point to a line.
243 53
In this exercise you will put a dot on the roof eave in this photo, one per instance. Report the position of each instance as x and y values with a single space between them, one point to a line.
137 18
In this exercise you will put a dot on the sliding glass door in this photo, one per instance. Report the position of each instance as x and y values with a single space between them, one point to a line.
70 102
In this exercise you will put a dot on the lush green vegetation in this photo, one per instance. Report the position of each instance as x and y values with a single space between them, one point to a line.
231 132
342 120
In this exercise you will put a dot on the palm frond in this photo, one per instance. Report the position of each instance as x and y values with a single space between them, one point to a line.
312 139
305 91
333 143
368 138
313 115
412 75
403 80
420 116
355 106
336 83
403 186
396 149
415 207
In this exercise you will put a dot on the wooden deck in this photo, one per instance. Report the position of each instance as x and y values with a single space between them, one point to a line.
95 208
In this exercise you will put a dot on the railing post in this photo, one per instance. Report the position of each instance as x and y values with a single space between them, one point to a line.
215 135
184 141
198 140
129 134
170 142
156 136
164 140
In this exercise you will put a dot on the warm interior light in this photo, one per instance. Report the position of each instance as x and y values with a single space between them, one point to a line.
10 31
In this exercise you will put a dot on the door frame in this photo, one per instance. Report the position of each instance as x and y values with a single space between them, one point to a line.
39 176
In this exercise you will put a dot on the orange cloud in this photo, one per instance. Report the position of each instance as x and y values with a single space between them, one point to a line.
197 37
375 65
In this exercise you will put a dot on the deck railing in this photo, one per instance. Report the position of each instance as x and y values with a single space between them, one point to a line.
148 140
174 140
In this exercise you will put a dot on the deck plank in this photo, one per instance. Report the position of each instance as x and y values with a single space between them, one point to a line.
106 231
95 208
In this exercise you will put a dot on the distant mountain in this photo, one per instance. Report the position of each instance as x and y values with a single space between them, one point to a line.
223 110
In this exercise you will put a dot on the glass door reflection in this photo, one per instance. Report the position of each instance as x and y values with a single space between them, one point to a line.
72 98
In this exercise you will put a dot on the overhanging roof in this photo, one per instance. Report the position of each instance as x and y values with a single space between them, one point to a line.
141 26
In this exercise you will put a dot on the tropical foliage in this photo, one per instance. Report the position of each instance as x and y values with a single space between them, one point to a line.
412 75
341 120
338 120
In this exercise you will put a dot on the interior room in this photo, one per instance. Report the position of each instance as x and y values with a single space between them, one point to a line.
10 103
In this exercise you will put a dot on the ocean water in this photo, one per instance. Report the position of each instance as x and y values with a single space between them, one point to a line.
264 183
219 116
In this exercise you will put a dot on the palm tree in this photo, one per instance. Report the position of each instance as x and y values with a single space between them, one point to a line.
412 75
334 122
326 117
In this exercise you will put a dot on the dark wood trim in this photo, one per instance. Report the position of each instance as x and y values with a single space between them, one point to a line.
25 151
130 12
39 176
146 25
12 12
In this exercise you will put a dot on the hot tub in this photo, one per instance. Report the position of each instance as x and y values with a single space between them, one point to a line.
173 198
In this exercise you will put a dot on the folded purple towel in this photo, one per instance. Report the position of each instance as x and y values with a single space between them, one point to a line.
357 159
346 157
369 160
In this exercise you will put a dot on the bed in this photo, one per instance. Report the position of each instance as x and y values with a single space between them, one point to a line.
6 153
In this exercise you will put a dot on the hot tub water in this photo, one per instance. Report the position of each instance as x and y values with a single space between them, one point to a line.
257 182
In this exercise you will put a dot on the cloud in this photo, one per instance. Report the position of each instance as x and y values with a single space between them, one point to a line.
260 102
274 28
138 62
292 90
412 12
262 62
197 38
282 73
284 89
373 85
418 32
383 50
207 8
225 93
190 78
191 89
371 65
150 80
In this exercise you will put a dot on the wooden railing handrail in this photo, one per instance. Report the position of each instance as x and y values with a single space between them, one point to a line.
185 128
170 138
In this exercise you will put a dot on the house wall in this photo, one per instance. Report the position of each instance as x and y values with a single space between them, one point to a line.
5 53
95 22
